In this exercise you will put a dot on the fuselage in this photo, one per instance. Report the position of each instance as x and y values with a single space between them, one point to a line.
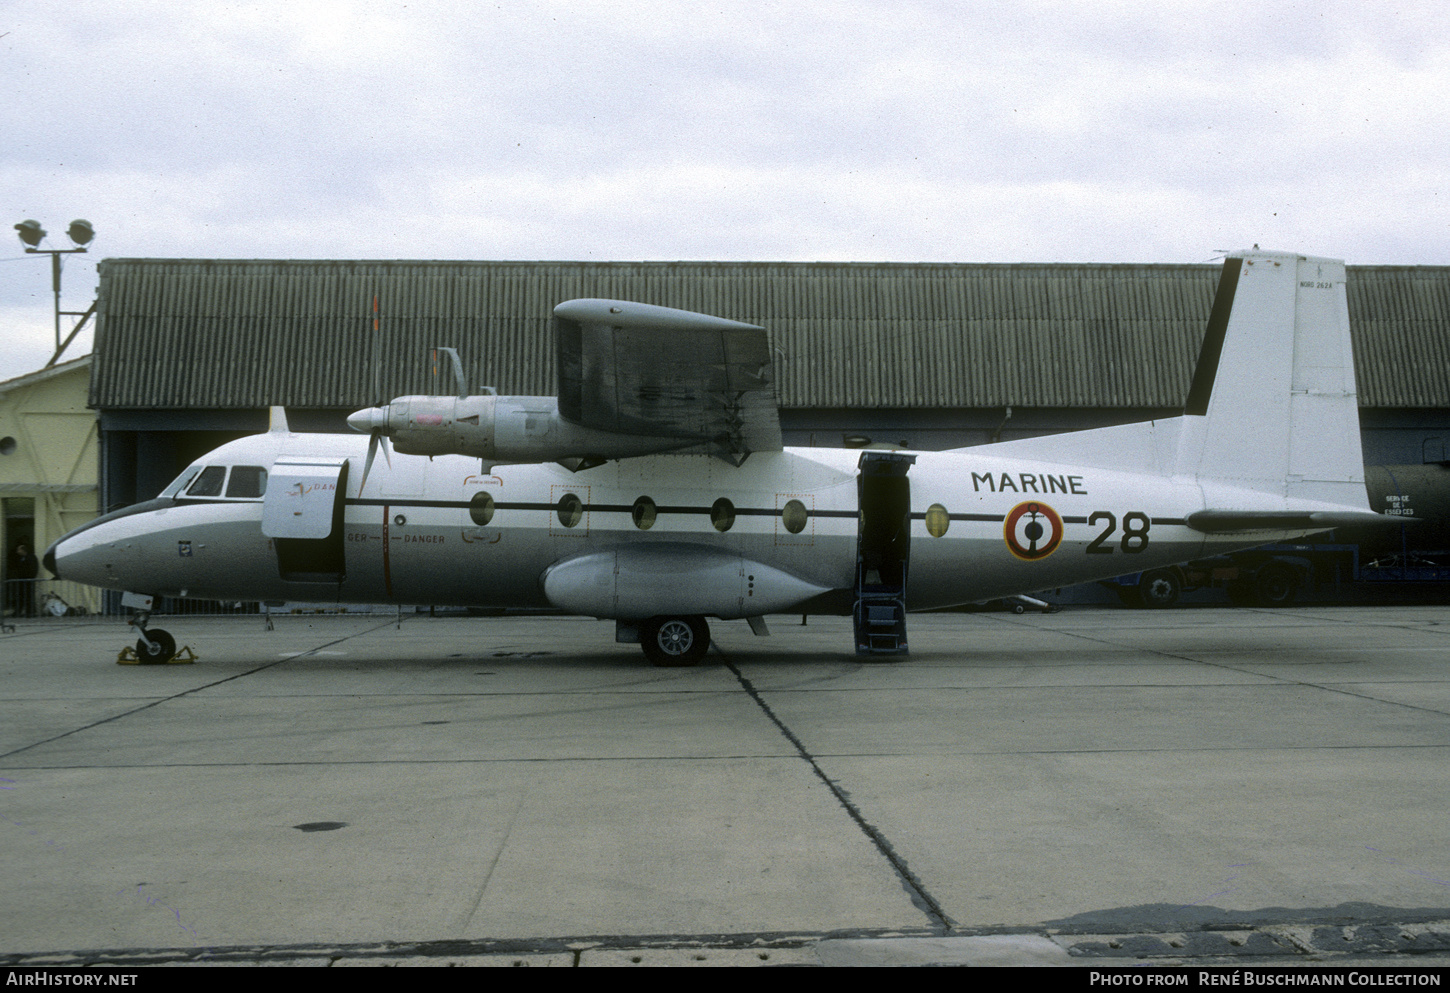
441 531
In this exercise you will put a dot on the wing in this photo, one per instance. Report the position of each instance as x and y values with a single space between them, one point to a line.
638 369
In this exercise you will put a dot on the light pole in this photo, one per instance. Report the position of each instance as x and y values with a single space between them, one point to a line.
80 233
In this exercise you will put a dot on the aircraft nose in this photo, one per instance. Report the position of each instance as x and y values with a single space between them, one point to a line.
48 560
369 420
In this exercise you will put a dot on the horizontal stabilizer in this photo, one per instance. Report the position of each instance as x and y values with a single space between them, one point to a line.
1236 521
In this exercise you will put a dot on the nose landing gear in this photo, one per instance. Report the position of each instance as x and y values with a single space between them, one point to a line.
154 647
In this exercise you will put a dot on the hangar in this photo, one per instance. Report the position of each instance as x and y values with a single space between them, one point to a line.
189 353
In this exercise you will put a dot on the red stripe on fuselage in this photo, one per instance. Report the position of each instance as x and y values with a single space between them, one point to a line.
387 563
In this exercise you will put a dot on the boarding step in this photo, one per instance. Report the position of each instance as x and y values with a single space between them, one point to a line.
880 627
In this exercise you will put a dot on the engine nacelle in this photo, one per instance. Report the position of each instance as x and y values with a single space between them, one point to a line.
499 429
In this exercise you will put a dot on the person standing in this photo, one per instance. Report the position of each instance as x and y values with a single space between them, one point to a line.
24 567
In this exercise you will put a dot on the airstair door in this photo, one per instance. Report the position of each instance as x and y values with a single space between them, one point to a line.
883 553
302 514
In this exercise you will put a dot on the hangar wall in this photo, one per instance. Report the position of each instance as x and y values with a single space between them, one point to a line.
48 482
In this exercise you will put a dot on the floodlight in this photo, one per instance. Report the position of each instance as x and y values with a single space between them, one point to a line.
81 232
30 232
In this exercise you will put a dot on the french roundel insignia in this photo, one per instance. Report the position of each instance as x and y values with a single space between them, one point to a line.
1033 530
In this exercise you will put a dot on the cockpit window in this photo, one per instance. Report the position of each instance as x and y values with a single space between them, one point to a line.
180 482
247 481
209 483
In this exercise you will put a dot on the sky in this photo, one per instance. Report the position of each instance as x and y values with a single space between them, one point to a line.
843 131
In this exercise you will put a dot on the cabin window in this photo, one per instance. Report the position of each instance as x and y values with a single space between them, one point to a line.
571 510
937 520
722 514
209 483
644 513
794 516
480 508
247 481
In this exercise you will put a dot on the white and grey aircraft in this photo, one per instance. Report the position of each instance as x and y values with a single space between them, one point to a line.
654 490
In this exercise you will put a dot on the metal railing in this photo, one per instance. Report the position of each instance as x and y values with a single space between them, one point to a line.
62 599
50 598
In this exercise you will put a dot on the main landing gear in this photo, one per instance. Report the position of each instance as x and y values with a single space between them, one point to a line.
675 641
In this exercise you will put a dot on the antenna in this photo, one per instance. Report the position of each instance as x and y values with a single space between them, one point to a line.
458 379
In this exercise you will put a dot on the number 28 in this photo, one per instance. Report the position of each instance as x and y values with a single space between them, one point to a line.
1135 532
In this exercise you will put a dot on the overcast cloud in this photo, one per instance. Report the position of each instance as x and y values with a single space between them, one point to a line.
959 132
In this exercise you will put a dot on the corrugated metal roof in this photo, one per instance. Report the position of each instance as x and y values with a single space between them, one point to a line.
247 334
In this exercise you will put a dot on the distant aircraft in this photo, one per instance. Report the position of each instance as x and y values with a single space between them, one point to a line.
655 491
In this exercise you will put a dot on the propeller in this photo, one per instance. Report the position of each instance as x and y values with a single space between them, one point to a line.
374 423
374 420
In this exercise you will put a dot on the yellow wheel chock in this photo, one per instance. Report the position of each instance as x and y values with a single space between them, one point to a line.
183 656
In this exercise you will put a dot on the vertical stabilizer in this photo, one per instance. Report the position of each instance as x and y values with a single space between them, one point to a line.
1273 411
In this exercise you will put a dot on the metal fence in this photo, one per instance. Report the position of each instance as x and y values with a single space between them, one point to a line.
51 598
61 599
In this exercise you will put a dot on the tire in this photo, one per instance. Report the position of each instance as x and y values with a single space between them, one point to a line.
1159 588
675 641
1276 585
164 650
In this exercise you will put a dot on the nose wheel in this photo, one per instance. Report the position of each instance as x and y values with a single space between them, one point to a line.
155 646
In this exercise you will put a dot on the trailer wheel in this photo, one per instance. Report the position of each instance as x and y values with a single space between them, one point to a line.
1275 585
1159 588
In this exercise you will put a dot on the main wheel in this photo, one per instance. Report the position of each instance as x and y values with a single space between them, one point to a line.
675 641
1159 588
164 650
1275 585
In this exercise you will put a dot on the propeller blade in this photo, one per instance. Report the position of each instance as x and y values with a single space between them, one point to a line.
373 421
368 462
